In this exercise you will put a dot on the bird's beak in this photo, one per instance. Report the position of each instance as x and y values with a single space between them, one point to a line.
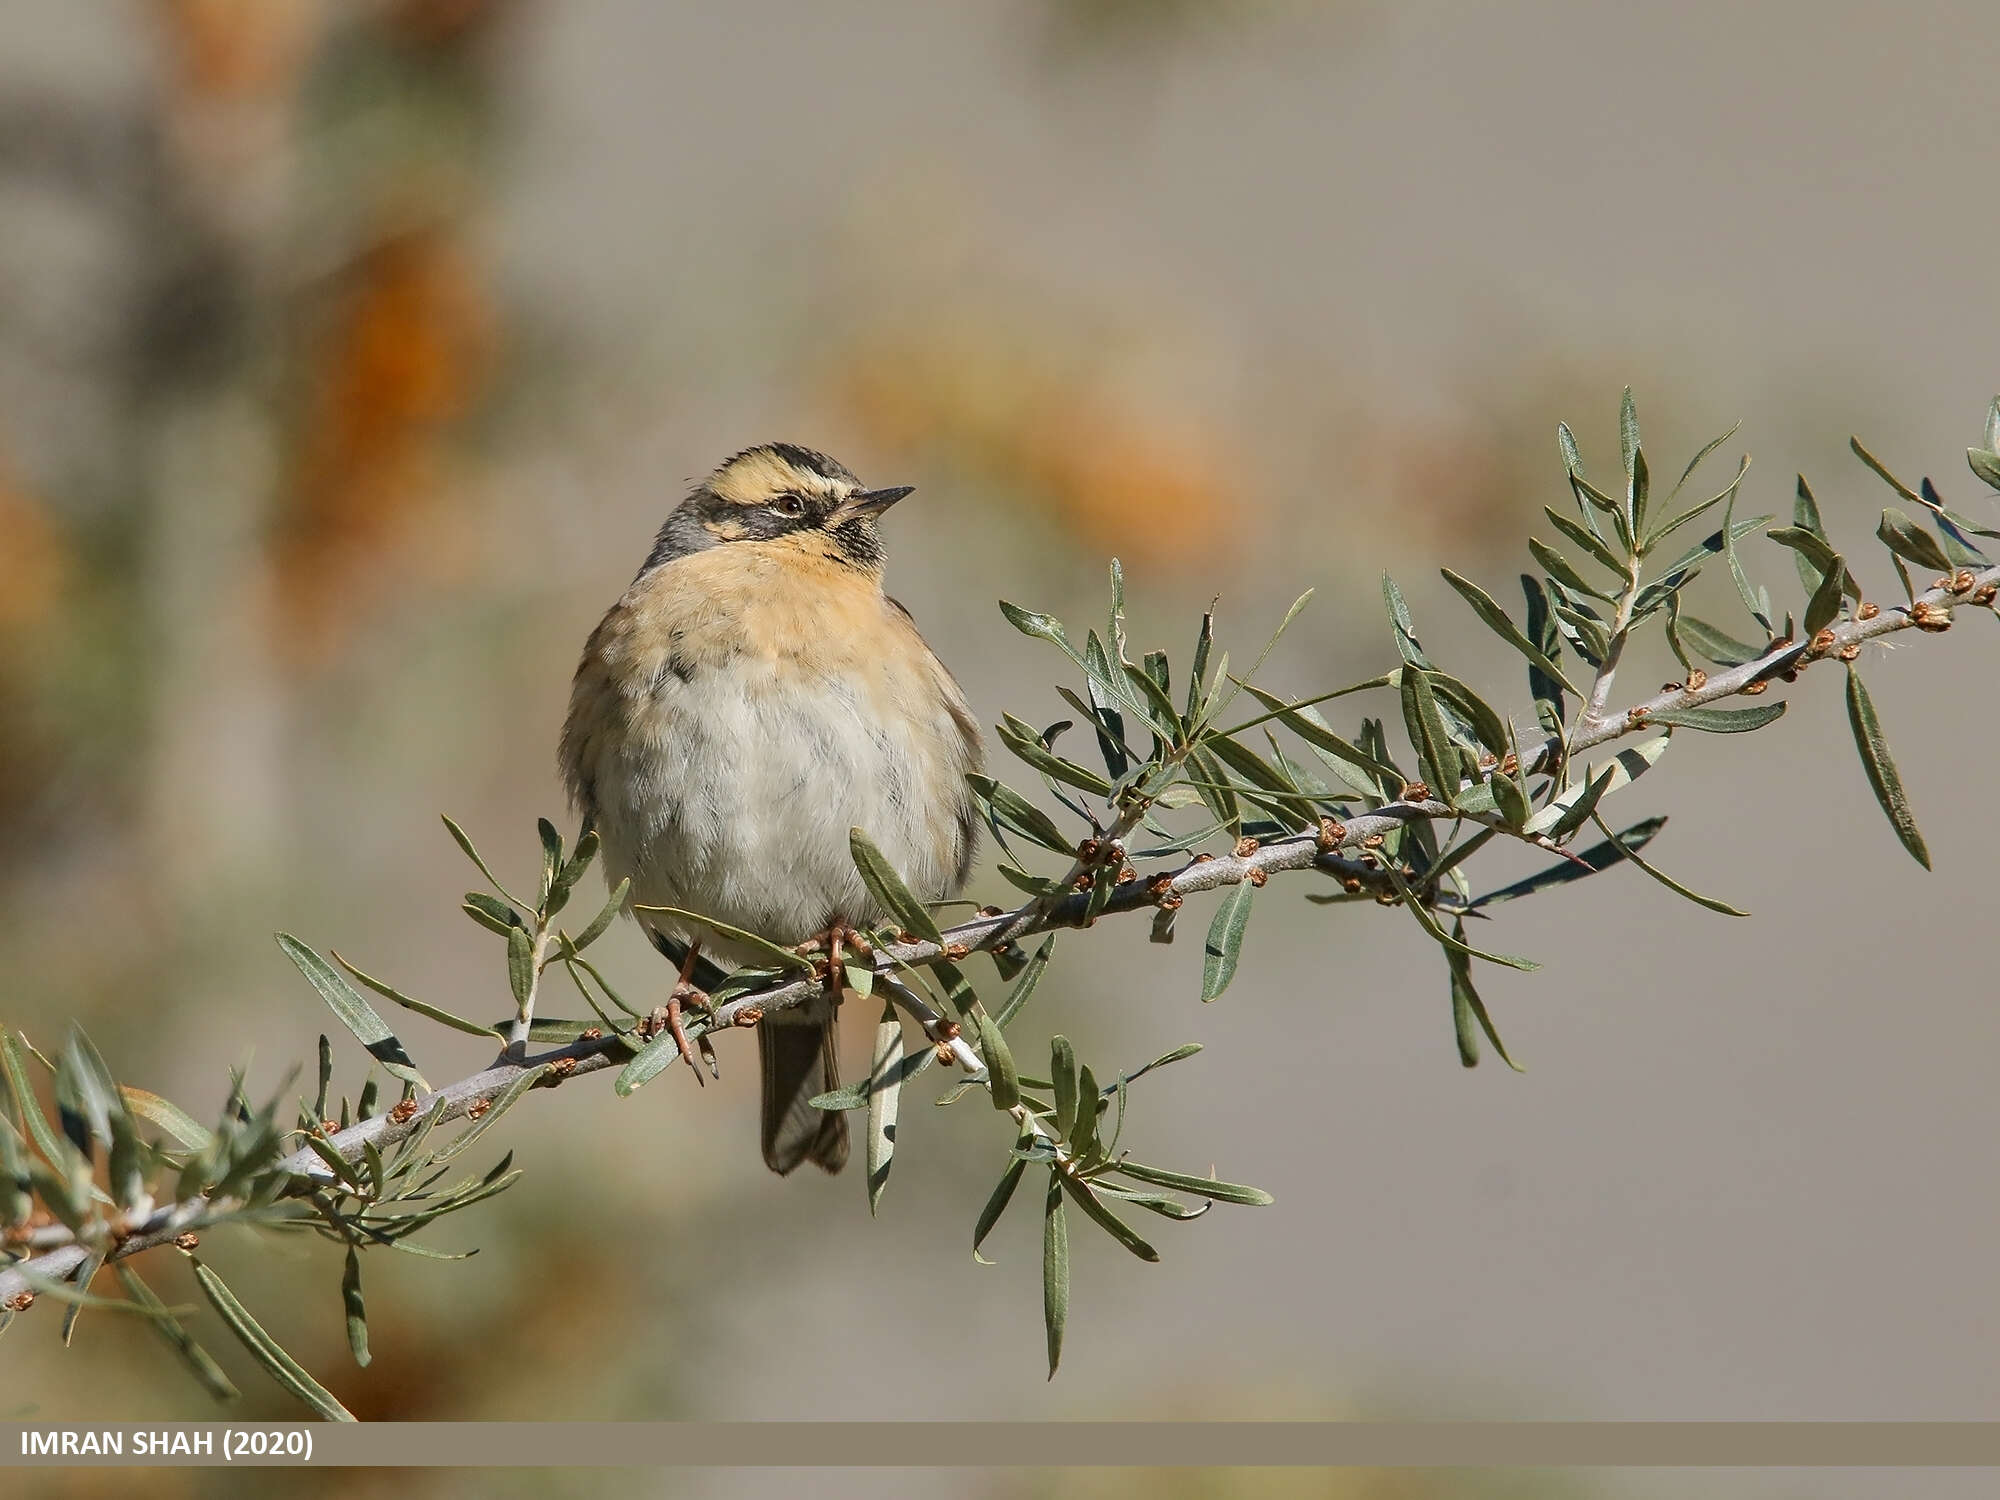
872 503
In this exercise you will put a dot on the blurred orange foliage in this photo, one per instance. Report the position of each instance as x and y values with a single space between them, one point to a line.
406 353
1118 476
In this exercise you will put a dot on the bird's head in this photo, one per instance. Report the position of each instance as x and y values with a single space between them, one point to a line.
782 497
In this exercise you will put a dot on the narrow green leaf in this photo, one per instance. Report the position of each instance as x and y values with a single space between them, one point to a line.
1002 1078
1501 625
491 912
1437 763
1028 747
1465 999
1204 1187
1585 538
1002 1195
1041 626
552 860
1985 462
472 854
1906 538
1407 645
1753 599
1562 569
1887 478
265 1350
1721 720
355 1307
885 1091
1025 983
1225 940
886 885
1018 813
1062 1076
32 1116
601 923
1823 608
1591 861
391 993
355 1013
572 870
1881 768
1630 851
521 968
1109 1222
1055 1269
198 1360
1637 492
1724 650
772 955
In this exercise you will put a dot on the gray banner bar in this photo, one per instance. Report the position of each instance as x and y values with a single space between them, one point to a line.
1008 1444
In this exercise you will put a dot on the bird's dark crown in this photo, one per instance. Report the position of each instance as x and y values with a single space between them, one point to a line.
777 490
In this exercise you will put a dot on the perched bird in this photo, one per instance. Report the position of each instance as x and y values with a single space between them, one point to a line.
752 697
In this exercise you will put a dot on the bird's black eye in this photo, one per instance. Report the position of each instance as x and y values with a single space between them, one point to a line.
789 505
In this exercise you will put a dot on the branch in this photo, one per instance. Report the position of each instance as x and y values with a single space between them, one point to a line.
1252 861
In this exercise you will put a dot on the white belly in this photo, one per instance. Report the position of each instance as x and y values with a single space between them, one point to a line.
732 795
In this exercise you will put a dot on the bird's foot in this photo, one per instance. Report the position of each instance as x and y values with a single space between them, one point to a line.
837 940
668 1017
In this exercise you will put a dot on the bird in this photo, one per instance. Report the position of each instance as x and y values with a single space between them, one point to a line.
751 698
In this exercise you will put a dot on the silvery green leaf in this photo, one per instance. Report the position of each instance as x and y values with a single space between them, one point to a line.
1724 650
1545 687
1985 462
885 1091
1466 1005
1753 599
391 993
1824 605
1203 1187
1106 1220
161 1317
1590 862
17 1199
572 870
491 913
1407 645
1062 1076
265 1349
1637 489
772 954
464 843
1002 1195
1906 538
1585 538
1225 940
1630 851
1025 983
1179 1054
1881 768
520 967
552 861
1436 762
1017 813
1713 543
1438 935
1198 672
1720 720
1887 478
1624 768
1562 569
886 885
356 1309
600 923
1500 624
1030 749
1055 1269
851 1096
1041 626
355 1013
1001 1076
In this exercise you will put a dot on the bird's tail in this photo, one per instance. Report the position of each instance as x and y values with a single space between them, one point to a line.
799 1060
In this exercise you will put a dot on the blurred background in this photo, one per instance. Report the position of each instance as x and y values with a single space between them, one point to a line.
351 353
